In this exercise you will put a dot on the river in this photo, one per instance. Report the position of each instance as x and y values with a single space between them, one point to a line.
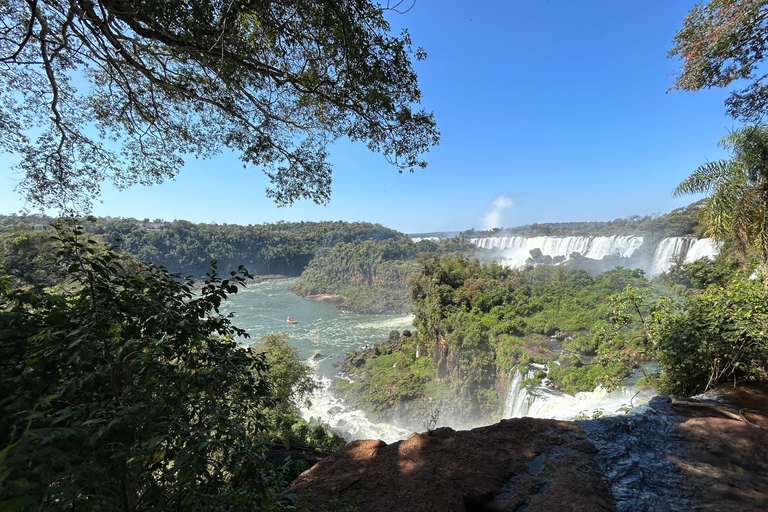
324 335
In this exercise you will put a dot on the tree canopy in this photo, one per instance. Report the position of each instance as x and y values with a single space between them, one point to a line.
124 90
723 41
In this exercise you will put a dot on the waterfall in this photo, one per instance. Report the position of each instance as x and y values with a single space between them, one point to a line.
702 248
517 397
595 247
666 251
542 401
515 250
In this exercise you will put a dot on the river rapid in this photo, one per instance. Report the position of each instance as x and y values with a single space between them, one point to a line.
324 335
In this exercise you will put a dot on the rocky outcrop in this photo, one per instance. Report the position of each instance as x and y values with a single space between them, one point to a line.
546 464
667 458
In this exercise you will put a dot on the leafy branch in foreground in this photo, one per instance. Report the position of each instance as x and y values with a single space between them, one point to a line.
130 393
274 81
723 41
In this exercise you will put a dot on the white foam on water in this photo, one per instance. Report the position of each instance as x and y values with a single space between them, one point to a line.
352 423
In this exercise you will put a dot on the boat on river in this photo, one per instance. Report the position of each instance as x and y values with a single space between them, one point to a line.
291 321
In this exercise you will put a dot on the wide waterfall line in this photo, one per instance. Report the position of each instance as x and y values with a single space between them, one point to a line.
515 250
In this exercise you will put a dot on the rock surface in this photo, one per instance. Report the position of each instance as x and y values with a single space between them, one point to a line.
545 464
666 458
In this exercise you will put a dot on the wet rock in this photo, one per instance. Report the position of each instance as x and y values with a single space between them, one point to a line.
632 454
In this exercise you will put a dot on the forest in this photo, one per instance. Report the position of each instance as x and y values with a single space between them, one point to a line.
370 277
679 222
475 323
186 248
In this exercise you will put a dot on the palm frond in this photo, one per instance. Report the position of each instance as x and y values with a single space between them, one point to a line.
748 220
749 145
707 177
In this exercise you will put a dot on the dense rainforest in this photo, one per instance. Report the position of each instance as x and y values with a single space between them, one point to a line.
371 276
187 248
121 368
475 323
122 387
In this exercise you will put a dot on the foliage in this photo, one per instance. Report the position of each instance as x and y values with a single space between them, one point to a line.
701 340
273 81
292 381
476 321
130 393
723 41
580 344
679 222
187 248
737 207
700 274
370 277
29 257
712 338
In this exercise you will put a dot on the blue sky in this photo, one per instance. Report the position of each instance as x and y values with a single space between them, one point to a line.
550 111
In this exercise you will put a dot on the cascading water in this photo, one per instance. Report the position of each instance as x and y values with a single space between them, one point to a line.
542 401
515 250
517 397
667 250
702 248
331 410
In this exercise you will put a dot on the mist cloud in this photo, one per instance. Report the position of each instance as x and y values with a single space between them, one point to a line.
494 217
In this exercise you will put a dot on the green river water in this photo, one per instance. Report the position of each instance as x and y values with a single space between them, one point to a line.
323 335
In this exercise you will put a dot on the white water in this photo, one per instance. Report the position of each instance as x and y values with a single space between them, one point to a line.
516 249
333 412
517 403
702 248
666 251
542 401
323 336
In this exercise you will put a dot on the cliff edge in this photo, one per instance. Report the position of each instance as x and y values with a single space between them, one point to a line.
672 456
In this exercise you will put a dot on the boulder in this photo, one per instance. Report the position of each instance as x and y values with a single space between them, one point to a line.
674 456
544 464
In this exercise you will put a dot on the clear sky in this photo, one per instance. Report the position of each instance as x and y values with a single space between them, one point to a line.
550 111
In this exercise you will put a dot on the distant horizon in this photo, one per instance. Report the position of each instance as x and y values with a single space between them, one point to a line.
409 233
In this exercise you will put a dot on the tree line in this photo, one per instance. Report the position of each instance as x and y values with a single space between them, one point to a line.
370 276
184 247
682 221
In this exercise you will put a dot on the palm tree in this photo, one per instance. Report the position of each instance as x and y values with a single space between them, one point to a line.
737 206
